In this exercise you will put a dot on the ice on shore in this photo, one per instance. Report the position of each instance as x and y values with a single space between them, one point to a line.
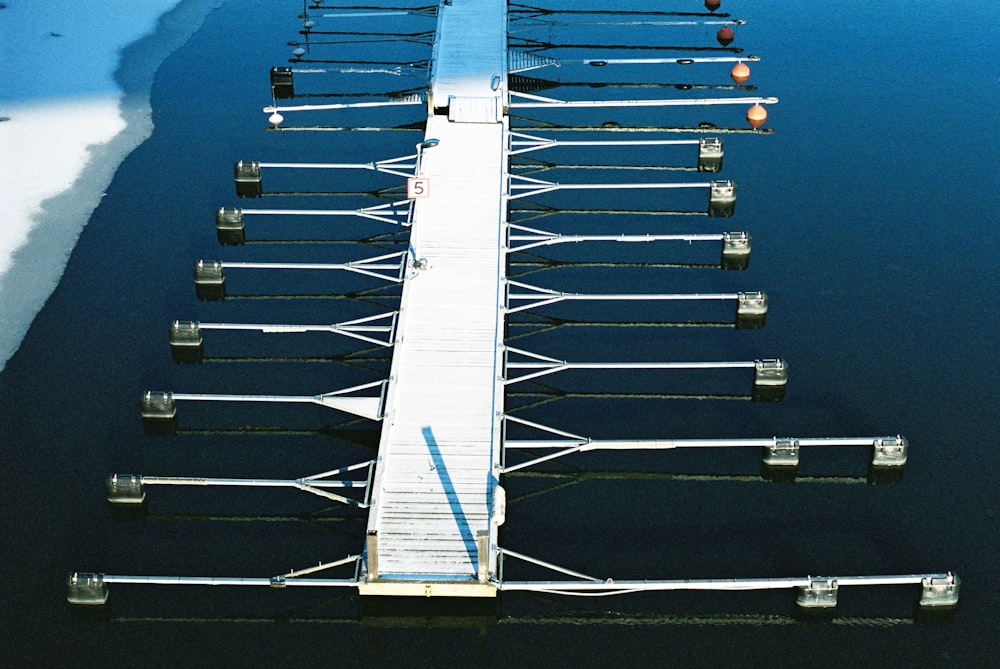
64 129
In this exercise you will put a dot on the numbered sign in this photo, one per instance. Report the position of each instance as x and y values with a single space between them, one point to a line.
417 187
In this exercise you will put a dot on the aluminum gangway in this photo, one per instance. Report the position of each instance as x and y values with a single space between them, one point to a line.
433 493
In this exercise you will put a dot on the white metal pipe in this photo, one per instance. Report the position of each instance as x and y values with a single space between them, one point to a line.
390 166
351 15
302 265
585 444
546 368
553 586
627 296
323 166
301 212
548 565
543 143
662 61
549 239
543 428
611 586
531 143
306 487
304 399
279 398
339 470
573 239
537 187
748 364
324 212
538 292
295 573
381 212
719 22
248 483
342 400
227 580
546 22
274 328
355 328
536 233
537 461
560 186
538 102
368 267
415 100
345 329
545 298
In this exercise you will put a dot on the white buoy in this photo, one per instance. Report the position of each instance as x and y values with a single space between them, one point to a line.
275 119
308 24
298 52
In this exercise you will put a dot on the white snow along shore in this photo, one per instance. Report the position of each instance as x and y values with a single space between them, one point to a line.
66 126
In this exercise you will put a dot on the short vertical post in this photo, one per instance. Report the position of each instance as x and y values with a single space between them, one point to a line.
483 555
372 546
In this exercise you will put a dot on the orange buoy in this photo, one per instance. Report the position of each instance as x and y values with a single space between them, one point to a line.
725 35
740 72
756 116
712 5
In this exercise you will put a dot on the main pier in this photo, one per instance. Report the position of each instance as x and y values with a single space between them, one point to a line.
434 492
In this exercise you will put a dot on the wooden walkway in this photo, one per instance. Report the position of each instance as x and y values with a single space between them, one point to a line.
432 493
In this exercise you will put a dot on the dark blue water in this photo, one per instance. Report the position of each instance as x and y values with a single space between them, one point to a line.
873 214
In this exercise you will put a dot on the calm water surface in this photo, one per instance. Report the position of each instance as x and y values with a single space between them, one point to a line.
873 213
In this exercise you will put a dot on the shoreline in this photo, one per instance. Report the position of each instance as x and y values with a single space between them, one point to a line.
51 231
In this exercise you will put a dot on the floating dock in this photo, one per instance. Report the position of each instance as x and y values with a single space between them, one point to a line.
434 492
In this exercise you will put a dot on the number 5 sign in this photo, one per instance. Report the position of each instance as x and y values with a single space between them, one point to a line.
417 187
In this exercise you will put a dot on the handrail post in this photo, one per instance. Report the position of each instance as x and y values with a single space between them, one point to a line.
372 546
482 555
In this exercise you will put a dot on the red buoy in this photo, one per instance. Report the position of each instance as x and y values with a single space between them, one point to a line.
725 35
740 72
712 5
756 116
